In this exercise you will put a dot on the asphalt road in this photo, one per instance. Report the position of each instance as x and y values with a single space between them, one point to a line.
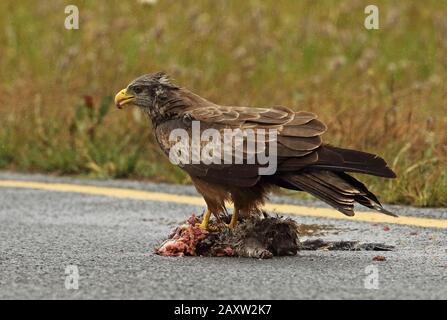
111 241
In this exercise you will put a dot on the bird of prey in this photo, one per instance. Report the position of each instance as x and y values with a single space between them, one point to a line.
304 162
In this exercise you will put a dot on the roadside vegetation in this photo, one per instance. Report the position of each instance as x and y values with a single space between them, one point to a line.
382 91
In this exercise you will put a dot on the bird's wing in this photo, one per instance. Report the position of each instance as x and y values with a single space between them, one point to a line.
298 134
297 137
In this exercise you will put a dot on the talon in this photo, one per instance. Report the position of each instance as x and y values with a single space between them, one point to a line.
205 220
231 226
202 225
234 218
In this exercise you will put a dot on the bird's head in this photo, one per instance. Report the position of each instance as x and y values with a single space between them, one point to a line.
145 91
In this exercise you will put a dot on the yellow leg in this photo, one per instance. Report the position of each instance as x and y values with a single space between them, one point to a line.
206 219
234 218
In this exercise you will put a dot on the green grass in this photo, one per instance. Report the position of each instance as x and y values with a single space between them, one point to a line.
381 91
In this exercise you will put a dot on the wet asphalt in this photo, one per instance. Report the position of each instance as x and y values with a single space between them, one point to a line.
48 239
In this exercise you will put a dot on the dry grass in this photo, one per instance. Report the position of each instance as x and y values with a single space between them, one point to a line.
380 91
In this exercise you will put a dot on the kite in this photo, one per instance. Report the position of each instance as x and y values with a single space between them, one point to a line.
290 139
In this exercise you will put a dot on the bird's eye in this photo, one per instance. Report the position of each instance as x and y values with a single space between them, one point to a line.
138 90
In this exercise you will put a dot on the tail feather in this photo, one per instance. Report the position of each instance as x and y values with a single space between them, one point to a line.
338 189
338 159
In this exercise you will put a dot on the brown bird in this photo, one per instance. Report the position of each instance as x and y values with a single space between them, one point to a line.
303 162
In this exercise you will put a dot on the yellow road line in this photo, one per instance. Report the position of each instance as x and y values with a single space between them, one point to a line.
191 200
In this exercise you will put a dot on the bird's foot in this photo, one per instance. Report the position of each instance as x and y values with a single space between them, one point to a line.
208 227
202 225
233 223
231 226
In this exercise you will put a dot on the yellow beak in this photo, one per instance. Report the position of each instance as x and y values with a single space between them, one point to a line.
123 98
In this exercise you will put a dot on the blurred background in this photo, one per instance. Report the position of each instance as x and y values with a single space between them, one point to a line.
381 91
